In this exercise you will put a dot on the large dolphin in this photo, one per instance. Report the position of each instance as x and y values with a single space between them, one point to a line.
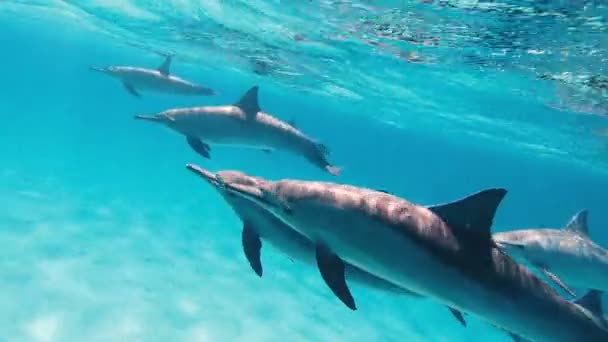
241 124
159 80
259 224
444 252
568 253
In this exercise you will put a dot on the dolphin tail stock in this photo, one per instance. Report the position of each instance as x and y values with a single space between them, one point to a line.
319 156
323 148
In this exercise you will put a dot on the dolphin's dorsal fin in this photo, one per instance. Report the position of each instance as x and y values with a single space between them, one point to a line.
165 67
592 301
578 223
248 103
473 214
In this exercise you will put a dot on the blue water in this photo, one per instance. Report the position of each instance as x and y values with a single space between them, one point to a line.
104 236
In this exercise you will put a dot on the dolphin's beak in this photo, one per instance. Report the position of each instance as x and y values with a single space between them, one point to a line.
248 192
157 118
203 173
98 69
506 245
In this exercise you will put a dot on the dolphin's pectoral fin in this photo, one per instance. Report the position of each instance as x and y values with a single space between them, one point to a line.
266 150
252 246
592 301
248 103
332 270
131 89
517 338
555 279
471 217
384 191
578 223
165 67
292 123
199 146
459 316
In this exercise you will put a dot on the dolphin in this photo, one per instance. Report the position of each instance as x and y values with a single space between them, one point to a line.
259 224
159 80
567 253
241 124
442 251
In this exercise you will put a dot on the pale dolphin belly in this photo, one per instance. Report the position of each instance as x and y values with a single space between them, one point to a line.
297 246
579 269
236 131
152 80
392 256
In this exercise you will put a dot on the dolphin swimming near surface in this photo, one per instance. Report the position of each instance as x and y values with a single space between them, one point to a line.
260 225
443 251
242 124
159 80
568 253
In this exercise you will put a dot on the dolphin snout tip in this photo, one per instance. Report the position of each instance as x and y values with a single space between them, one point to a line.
147 117
500 244
207 175
98 69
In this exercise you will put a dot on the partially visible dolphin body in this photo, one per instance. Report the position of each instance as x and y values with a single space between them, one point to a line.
241 124
568 253
159 80
445 252
259 224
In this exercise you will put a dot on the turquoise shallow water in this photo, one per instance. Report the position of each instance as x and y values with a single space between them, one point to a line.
104 236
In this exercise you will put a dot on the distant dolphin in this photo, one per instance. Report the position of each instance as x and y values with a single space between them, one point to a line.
159 80
443 251
567 253
241 124
259 224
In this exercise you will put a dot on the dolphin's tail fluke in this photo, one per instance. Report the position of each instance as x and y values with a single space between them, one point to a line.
334 170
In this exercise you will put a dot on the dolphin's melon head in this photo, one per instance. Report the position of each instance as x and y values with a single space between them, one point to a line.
238 177
233 182
262 192
518 244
